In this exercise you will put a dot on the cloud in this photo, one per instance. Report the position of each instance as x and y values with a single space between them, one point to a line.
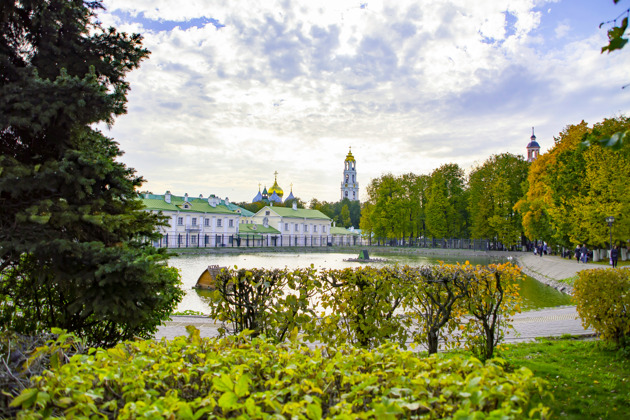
234 91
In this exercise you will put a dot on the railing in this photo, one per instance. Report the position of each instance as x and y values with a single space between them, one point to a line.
188 240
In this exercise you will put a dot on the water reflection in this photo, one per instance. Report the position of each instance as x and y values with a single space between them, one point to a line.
535 294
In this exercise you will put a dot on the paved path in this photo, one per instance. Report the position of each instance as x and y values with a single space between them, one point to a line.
550 322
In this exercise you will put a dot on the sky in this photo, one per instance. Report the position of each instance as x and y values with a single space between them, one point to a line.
234 91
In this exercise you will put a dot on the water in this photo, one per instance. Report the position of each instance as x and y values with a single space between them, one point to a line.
535 294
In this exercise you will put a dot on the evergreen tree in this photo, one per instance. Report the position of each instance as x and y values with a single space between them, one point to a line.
73 235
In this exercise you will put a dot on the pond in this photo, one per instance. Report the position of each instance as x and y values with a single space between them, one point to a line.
535 294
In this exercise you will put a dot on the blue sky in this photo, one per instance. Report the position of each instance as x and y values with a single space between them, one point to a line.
234 90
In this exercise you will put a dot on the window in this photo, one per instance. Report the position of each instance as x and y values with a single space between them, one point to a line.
218 222
346 194
286 227
194 221
305 227
315 228
206 222
180 221
297 227
267 213
324 229
231 223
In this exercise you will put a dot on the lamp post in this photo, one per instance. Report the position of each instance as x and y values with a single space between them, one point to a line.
610 220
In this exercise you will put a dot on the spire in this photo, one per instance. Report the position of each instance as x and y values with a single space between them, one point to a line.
533 135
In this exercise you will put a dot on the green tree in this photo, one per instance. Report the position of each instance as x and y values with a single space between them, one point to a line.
73 236
446 204
494 189
345 216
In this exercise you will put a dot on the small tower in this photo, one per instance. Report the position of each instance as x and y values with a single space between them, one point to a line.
533 148
350 185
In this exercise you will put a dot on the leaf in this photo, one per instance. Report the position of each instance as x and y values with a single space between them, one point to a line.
223 383
228 401
242 386
314 411
25 399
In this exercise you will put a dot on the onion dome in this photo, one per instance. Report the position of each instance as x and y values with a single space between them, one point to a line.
275 188
275 198
349 157
533 143
290 197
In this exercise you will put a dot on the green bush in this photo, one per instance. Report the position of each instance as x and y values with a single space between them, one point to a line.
195 378
360 306
603 302
271 302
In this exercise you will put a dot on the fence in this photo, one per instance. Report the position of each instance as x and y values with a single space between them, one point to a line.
191 240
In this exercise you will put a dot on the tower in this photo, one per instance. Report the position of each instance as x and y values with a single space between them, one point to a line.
533 148
349 184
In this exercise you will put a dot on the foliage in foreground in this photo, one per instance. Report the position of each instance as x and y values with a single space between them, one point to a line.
191 377
603 302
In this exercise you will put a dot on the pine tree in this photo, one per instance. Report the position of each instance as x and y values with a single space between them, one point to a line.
73 236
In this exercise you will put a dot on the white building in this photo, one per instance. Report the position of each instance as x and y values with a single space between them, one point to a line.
297 227
195 222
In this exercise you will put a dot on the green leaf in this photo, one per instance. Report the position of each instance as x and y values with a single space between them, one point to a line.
223 383
228 401
25 399
314 411
242 386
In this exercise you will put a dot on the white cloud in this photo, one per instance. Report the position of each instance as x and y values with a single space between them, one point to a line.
290 85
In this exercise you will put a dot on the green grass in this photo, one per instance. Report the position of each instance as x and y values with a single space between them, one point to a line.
588 379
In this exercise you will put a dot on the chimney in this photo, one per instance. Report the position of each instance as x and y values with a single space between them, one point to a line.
227 201
167 197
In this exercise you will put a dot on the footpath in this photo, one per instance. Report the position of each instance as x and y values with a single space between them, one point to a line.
550 322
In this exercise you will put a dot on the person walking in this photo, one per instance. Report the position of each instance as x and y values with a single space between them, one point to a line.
577 253
584 253
614 256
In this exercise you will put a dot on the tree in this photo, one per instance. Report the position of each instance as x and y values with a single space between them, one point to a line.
571 188
73 236
495 187
446 204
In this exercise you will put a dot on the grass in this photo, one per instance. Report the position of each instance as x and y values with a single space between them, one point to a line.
588 379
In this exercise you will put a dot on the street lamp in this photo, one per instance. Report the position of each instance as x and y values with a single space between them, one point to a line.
610 220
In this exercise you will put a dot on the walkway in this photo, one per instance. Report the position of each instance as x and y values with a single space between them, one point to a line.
550 322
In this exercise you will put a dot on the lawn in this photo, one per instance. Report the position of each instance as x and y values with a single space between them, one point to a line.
588 379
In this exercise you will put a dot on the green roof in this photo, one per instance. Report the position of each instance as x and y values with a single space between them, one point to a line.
335 230
197 205
250 228
298 213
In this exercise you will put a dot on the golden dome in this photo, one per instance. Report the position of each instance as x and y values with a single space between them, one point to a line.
350 158
275 187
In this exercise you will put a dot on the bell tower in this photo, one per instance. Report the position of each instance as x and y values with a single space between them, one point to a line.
533 148
349 184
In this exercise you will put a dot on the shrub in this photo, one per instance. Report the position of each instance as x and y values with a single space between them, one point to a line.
490 298
26 357
603 302
360 306
190 377
433 300
271 302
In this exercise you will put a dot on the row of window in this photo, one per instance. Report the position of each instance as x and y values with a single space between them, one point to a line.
206 222
305 228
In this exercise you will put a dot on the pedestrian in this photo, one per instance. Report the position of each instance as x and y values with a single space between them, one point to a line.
577 253
614 256
584 253
545 247
540 250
